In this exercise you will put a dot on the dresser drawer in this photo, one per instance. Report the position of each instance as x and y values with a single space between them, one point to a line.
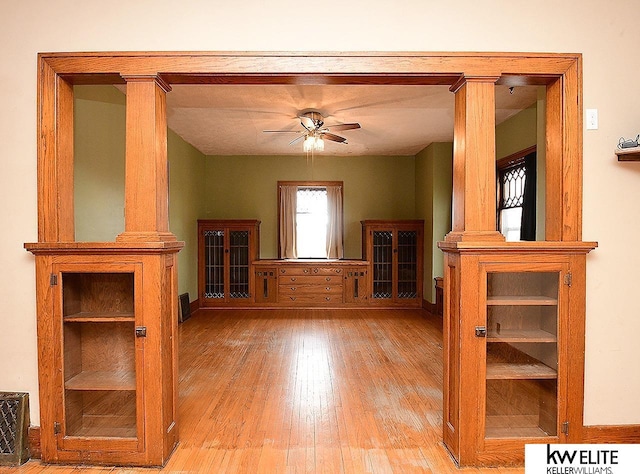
295 290
311 270
309 299
320 280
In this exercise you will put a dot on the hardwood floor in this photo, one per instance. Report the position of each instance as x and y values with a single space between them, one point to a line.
321 391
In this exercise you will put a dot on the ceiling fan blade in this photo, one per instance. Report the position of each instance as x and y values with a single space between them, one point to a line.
307 122
281 131
333 138
344 126
296 139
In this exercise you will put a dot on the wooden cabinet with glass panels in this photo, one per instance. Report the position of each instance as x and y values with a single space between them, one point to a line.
394 250
226 250
107 352
513 348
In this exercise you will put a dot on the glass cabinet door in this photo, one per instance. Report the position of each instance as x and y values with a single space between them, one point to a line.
214 280
382 264
239 264
407 264
99 354
522 354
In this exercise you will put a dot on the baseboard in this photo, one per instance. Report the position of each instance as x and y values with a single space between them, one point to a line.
34 442
194 305
431 307
619 434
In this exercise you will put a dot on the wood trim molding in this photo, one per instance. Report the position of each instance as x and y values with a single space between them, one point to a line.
560 73
619 434
35 450
514 158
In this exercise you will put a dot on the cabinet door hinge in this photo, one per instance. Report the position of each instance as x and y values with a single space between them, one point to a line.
53 279
565 428
56 427
567 279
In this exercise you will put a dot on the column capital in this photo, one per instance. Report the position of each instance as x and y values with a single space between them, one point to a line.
160 82
462 80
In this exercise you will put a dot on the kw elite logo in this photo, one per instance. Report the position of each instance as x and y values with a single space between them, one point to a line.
582 458
581 461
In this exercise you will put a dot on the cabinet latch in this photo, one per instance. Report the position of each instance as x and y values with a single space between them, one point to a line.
567 279
565 428
141 331
481 331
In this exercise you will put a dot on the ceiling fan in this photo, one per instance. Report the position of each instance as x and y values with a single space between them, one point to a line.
315 132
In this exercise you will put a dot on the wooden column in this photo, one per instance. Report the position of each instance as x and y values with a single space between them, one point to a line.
55 157
146 212
474 161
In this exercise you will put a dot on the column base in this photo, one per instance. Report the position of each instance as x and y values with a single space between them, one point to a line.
146 237
474 236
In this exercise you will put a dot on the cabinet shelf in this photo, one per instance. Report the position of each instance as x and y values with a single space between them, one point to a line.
508 300
522 335
102 380
95 317
513 426
519 371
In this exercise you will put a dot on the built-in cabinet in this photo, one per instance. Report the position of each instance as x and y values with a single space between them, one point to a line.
226 251
394 250
513 345
310 283
107 353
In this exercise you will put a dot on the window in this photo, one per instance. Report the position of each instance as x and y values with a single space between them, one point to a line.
516 196
310 219
311 222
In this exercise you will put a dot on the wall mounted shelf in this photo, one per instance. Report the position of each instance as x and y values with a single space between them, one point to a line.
628 154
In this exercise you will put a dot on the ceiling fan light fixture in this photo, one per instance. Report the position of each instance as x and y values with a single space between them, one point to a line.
313 143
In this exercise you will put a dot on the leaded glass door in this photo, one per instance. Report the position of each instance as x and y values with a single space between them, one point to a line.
227 250
394 250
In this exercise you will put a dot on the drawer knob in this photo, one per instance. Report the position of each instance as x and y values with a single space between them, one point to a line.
293 278
328 278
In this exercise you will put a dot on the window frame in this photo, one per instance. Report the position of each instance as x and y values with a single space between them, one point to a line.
307 184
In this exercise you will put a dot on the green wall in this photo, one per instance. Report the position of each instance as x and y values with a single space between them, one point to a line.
245 187
99 141
99 147
434 186
517 133
187 185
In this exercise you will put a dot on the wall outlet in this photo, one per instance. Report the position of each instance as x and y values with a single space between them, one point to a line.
592 119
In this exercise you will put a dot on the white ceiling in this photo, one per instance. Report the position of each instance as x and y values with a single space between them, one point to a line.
395 120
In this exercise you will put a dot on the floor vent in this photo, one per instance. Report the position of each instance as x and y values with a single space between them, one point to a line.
185 307
14 428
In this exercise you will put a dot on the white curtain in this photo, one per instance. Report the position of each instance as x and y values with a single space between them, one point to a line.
288 204
334 224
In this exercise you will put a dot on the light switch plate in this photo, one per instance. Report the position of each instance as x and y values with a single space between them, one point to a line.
592 119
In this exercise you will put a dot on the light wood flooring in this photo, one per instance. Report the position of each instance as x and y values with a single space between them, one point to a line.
318 391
